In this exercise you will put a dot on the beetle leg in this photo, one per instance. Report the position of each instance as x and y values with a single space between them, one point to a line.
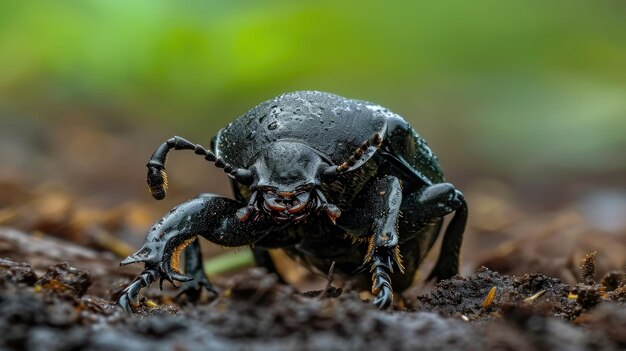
448 263
130 295
211 216
378 212
438 200
381 267
192 289
434 202
383 210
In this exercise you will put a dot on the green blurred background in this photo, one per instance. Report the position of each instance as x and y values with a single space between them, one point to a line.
531 92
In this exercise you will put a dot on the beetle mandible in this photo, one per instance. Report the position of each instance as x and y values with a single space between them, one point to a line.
324 178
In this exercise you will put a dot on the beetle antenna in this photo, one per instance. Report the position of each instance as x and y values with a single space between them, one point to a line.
157 178
333 171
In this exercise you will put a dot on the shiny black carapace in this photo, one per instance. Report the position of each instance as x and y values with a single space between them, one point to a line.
324 178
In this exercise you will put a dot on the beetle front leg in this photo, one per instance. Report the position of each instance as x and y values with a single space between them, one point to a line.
211 216
378 214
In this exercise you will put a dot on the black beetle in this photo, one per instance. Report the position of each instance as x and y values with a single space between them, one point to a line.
326 179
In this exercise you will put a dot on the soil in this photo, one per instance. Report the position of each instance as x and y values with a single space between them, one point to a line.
58 307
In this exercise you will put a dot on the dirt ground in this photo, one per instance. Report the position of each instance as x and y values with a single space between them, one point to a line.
47 308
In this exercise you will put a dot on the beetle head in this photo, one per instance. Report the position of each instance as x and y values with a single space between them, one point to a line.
287 178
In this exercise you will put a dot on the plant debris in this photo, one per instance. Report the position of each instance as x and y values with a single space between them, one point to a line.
588 267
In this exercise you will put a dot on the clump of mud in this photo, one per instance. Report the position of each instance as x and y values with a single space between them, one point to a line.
468 297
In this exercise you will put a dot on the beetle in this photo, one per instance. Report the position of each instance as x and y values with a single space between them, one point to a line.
322 177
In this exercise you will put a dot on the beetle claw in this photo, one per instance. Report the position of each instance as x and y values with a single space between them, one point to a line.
130 295
124 303
169 274
384 298
193 289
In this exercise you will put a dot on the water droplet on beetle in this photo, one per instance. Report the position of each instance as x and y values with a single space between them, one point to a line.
272 126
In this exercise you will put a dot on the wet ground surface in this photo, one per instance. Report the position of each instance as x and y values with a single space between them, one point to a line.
53 306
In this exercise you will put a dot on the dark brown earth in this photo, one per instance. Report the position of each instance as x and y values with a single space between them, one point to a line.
53 306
